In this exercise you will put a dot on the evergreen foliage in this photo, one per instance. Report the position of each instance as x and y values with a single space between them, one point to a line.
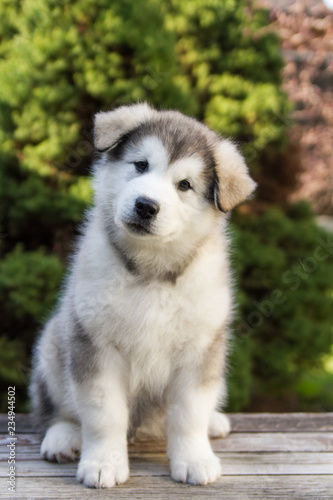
233 64
285 266
60 62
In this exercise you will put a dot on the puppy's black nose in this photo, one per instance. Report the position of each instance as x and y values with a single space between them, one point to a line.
146 209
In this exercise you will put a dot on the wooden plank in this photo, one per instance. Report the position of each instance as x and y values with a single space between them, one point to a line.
233 464
24 442
276 441
141 488
23 422
285 422
240 442
250 442
255 464
241 422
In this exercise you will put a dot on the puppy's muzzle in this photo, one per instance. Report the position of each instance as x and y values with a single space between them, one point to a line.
146 209
144 213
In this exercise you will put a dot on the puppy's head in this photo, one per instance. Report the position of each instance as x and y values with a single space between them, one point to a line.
163 174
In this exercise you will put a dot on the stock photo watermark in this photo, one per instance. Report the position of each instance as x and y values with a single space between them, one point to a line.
293 278
11 438
76 154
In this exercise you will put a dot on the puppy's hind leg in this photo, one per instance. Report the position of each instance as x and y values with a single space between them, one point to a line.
62 442
219 425
51 407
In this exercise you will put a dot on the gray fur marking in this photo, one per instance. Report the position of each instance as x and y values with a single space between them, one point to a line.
44 409
128 263
169 276
143 406
83 354
181 136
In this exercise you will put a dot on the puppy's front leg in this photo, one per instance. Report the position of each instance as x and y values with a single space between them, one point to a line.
189 451
102 404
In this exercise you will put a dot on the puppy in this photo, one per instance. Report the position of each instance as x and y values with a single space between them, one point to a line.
139 339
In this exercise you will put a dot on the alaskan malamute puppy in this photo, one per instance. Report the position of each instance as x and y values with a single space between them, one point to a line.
138 342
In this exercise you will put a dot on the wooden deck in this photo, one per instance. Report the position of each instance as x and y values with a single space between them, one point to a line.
267 456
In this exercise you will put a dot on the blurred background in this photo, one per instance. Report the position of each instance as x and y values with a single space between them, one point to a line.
259 72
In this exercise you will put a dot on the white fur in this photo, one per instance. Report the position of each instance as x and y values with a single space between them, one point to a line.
149 335
219 425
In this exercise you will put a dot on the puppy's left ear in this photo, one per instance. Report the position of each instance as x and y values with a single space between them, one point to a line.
110 126
234 183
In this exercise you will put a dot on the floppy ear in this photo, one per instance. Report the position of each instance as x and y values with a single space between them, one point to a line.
233 184
110 126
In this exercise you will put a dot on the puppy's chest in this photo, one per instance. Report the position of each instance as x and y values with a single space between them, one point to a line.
161 316
154 311
157 325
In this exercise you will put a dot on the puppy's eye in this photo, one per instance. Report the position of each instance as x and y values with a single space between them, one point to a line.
184 185
141 166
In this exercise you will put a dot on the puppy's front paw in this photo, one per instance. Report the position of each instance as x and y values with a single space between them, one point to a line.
196 471
103 472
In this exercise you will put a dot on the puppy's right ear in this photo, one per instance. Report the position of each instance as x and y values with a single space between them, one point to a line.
110 126
233 183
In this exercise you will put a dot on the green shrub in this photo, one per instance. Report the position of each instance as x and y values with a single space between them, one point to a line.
60 62
233 64
29 283
285 268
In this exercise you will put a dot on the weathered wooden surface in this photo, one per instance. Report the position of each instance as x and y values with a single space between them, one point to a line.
267 456
241 422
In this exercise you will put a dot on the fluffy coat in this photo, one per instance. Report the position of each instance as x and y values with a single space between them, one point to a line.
138 342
